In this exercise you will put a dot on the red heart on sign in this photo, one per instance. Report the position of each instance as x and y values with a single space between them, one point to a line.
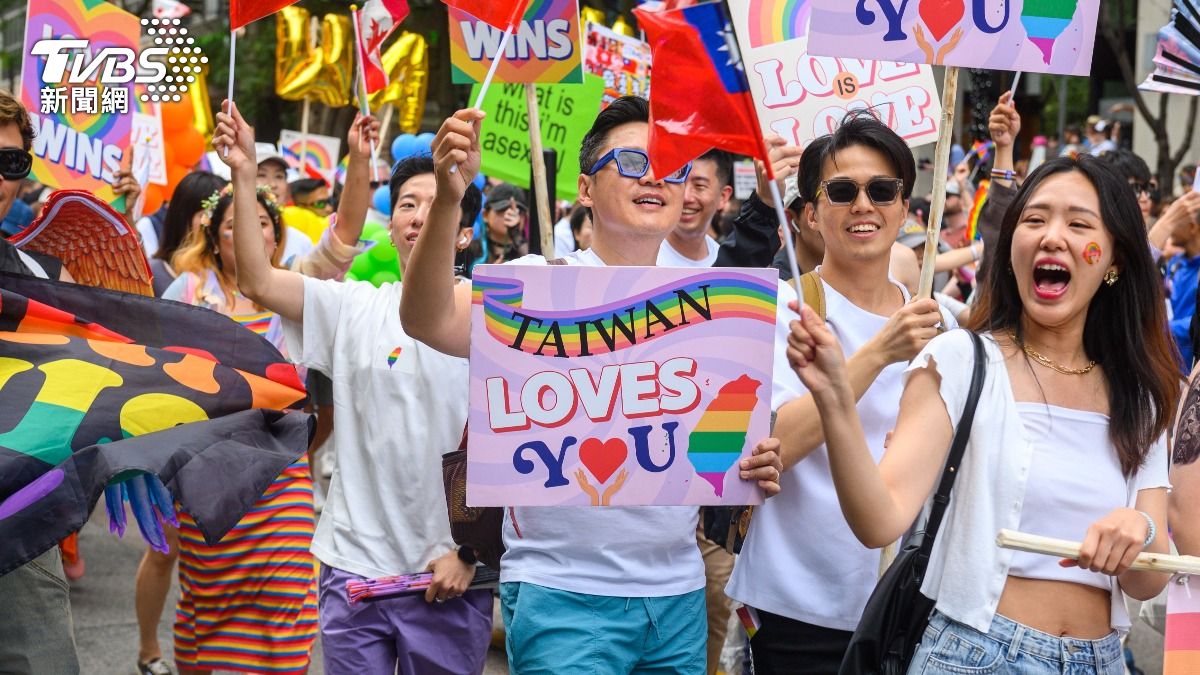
941 16
603 458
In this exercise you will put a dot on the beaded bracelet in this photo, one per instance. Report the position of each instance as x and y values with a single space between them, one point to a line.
1151 533
1004 174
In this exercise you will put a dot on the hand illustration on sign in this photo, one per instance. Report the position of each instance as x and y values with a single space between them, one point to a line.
598 499
940 16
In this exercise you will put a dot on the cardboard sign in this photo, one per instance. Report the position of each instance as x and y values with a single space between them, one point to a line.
81 129
617 385
801 96
321 153
622 62
544 48
1037 36
146 138
566 113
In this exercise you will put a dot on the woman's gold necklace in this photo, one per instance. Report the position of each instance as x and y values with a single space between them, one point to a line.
1033 354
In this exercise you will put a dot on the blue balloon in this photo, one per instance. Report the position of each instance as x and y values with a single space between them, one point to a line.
404 147
382 200
424 143
480 180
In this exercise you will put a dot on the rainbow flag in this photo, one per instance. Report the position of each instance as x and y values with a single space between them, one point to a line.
981 195
154 387
1181 655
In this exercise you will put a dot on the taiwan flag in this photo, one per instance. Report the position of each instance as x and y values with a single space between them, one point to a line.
706 102
378 19
242 12
499 14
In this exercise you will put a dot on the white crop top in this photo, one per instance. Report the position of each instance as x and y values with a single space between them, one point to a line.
1074 480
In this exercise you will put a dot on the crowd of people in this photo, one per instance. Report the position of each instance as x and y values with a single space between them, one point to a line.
1078 272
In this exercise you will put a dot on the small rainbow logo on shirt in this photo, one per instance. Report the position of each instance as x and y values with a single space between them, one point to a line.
393 356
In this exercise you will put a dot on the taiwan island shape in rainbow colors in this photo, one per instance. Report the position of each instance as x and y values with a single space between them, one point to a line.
716 443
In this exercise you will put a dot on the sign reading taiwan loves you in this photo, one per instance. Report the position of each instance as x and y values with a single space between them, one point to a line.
617 386
1040 36
565 111
81 113
801 96
543 48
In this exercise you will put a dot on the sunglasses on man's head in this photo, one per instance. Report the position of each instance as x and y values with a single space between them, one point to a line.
843 191
15 163
633 163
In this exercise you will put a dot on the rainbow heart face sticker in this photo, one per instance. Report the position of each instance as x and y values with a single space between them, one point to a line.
941 15
603 458
1091 253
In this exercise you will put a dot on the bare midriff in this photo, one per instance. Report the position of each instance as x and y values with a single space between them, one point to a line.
1059 608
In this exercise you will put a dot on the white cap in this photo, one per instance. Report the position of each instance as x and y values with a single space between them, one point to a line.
266 152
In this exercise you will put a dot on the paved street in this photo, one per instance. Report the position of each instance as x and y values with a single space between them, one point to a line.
105 626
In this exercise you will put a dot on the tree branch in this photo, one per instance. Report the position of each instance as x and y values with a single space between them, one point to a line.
1112 34
1190 126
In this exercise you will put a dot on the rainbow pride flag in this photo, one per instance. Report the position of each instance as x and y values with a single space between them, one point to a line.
981 195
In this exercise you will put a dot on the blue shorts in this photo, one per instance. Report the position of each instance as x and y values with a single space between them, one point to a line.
561 633
1009 647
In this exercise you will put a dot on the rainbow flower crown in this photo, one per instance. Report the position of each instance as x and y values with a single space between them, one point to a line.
210 203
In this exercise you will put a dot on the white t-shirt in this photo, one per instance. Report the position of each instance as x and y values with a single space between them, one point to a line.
647 551
669 257
297 245
564 240
401 405
800 559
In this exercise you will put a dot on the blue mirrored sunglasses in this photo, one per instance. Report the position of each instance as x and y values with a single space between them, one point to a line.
633 163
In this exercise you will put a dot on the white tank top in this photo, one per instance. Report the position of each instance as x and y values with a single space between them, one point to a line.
1074 480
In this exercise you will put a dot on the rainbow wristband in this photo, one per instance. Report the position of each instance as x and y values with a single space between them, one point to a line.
1004 174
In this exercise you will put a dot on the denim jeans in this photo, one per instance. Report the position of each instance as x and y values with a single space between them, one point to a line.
36 635
1010 647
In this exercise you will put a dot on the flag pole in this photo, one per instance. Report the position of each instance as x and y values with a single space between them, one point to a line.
780 213
541 192
362 88
1016 81
940 162
304 137
487 81
232 55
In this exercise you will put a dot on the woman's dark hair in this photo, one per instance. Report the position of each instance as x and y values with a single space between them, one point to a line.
1128 165
621 111
186 201
1126 327
218 215
858 127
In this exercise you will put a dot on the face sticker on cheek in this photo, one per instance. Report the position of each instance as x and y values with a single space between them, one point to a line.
1091 253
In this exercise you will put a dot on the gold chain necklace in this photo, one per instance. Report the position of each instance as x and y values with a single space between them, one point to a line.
1033 354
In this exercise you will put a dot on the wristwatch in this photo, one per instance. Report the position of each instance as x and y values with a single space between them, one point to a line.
467 555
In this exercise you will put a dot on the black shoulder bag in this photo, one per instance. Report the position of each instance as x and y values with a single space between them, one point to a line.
897 613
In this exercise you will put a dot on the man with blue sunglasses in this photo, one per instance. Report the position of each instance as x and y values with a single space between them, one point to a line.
605 591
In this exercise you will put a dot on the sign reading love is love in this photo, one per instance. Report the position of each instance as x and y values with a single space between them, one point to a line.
801 96
1044 36
617 386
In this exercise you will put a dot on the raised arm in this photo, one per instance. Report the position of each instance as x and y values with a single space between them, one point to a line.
434 309
881 501
278 290
755 236
356 193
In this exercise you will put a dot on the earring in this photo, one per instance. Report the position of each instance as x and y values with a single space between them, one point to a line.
1111 276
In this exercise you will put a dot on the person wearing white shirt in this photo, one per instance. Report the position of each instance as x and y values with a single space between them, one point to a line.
854 184
400 405
1069 441
706 194
612 590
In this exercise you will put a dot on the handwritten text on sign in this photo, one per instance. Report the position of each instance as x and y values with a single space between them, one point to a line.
615 386
801 96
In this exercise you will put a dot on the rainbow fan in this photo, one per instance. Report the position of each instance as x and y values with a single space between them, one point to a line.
716 443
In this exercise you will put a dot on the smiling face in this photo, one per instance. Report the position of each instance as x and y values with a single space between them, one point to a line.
413 200
225 235
643 208
1061 250
861 230
703 197
272 174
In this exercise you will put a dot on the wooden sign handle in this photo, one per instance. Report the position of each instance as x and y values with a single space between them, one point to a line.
1149 562
539 174
941 161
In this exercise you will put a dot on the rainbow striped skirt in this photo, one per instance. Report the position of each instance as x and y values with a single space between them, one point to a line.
249 603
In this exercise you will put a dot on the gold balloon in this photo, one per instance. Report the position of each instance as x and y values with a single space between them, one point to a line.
322 72
591 14
623 28
406 63
202 117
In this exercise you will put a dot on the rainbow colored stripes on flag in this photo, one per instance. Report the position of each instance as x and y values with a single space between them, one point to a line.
981 195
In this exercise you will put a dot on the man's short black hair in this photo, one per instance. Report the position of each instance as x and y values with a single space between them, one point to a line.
304 186
1128 165
621 111
416 165
724 162
858 127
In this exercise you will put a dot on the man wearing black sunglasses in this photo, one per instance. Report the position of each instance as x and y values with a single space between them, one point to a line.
854 187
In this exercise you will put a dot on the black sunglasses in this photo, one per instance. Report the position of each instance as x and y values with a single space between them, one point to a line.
15 163
1151 190
843 191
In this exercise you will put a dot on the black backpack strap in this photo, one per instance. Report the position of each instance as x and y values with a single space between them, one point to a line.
941 498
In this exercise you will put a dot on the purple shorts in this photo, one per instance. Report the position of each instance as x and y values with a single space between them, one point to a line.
419 637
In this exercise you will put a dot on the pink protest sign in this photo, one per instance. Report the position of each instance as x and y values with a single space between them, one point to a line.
1039 36
617 386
